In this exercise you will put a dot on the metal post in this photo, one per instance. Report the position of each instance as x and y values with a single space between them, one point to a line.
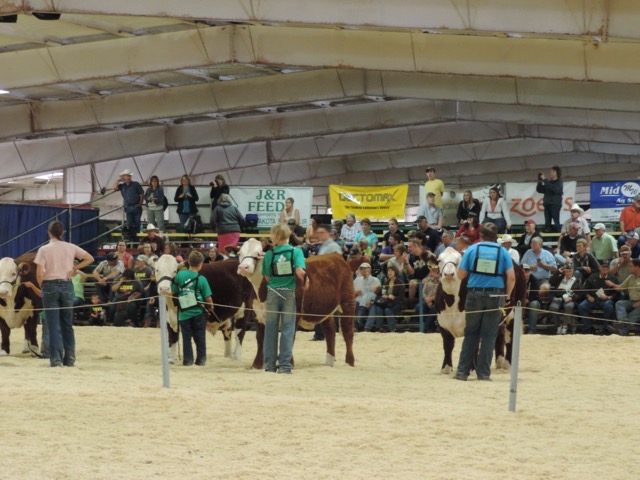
423 327
515 357
164 339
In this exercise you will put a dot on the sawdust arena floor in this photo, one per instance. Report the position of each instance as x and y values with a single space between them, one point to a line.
393 416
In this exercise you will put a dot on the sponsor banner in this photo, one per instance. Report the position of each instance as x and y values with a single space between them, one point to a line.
525 203
609 198
374 202
268 202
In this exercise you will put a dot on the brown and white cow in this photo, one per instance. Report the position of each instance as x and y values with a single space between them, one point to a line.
229 292
450 300
19 304
330 294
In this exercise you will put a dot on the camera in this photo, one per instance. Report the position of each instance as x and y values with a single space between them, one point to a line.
211 184
540 176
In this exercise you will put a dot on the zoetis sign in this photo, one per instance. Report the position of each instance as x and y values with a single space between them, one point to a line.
525 203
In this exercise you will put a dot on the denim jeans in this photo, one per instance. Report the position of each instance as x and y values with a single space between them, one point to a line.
194 328
586 307
183 219
281 312
57 298
44 344
626 313
500 223
481 326
377 316
361 317
557 305
533 315
133 213
552 214
156 217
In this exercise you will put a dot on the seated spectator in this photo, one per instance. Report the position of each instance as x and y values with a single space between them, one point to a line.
417 267
467 206
584 264
363 246
621 266
78 286
98 315
335 236
432 213
311 238
429 287
126 289
507 241
296 238
563 299
581 224
213 256
356 259
627 310
154 239
447 241
147 251
633 244
495 210
400 261
366 287
107 272
393 229
630 220
350 230
603 245
387 251
532 300
368 235
172 249
432 237
462 243
470 228
123 255
597 294
530 231
388 304
541 261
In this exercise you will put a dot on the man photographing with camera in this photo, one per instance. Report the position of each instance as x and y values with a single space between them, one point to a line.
552 189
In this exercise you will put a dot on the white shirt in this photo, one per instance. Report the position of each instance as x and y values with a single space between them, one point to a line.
365 286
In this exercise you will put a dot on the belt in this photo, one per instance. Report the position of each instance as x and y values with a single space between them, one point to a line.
56 280
485 290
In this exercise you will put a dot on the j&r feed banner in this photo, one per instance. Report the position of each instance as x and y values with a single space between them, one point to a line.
373 202
268 202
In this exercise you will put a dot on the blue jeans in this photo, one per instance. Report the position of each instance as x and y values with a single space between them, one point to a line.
194 328
625 312
281 312
533 315
57 299
586 307
361 317
183 219
44 345
481 326
552 214
500 223
377 315
133 213
156 217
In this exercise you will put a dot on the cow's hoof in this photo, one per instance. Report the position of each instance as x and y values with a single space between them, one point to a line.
446 370
330 360
502 363
3 353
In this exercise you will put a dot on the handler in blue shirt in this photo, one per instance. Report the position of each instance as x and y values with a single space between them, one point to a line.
486 265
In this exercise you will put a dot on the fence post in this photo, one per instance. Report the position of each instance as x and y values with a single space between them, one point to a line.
164 339
515 357
422 327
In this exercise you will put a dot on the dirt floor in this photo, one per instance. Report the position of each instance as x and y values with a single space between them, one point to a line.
393 416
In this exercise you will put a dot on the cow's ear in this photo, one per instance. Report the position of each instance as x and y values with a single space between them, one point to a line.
183 266
24 268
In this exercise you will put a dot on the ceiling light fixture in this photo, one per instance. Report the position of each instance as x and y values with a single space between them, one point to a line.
4 92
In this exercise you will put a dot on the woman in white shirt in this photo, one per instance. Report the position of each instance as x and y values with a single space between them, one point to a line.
496 211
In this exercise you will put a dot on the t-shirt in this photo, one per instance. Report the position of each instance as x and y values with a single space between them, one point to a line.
128 288
78 286
420 267
200 288
436 186
131 193
631 218
603 248
143 275
282 253
56 259
371 239
489 252
632 285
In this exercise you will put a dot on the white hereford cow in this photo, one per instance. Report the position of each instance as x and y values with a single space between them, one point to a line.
229 292
19 304
330 294
450 301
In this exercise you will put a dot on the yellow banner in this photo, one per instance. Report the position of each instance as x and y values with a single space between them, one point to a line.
373 202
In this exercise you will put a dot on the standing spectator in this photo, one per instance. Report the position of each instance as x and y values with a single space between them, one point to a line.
289 212
280 268
107 271
530 231
470 228
123 255
603 245
365 286
187 198
552 189
388 304
496 211
564 297
56 267
630 219
532 300
485 288
627 311
372 238
393 229
154 239
598 293
350 230
132 195
580 222
227 222
194 295
541 261
584 264
218 187
432 213
467 205
155 198
434 185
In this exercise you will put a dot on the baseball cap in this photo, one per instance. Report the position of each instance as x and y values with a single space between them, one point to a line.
365 265
604 263
525 266
142 258
431 194
420 218
530 221
430 169
633 235
112 256
599 226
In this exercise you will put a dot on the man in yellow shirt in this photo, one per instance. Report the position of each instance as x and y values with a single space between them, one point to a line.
434 185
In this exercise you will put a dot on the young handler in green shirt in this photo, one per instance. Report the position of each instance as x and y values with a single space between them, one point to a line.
194 297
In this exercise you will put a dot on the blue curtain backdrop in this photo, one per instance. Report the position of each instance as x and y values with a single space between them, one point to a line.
17 219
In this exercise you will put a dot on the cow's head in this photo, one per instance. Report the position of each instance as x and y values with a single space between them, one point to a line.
166 268
8 276
249 255
448 262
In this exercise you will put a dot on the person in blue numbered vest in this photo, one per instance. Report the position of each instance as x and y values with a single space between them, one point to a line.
491 279
280 268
